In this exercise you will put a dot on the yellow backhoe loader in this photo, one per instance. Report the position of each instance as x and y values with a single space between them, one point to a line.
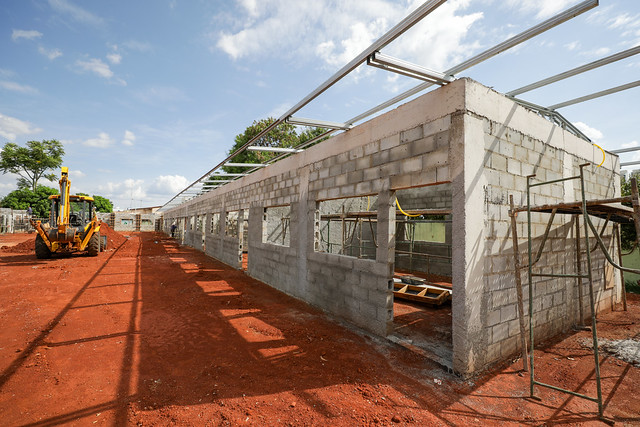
73 225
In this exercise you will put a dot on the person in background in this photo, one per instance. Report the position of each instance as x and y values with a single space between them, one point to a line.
29 211
174 226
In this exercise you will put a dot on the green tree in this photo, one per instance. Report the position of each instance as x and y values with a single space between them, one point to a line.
102 204
22 198
284 135
627 231
32 162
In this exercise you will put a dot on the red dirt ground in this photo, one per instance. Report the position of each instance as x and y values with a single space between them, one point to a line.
153 333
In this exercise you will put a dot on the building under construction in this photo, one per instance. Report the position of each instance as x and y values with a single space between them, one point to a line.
495 218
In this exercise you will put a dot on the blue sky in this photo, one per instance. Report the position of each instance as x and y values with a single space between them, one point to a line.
148 95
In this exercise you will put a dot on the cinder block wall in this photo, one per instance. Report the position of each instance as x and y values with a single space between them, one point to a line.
517 143
463 133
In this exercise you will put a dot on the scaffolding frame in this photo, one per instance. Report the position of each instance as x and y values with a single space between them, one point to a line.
584 209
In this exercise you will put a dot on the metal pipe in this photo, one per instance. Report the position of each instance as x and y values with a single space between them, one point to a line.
579 270
594 326
517 267
530 280
575 71
616 233
606 252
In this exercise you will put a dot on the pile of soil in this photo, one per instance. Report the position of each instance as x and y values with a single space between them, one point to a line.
114 239
26 247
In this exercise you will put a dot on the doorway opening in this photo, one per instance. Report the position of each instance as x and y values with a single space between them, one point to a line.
422 315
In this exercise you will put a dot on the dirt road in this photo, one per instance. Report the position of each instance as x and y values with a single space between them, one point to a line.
153 333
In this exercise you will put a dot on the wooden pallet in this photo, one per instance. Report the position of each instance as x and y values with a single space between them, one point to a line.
422 294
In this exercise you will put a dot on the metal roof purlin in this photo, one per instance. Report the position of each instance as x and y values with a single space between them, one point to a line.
595 95
575 71
383 41
507 44
408 69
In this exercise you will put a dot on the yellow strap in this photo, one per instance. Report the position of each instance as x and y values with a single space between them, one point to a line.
403 212
603 155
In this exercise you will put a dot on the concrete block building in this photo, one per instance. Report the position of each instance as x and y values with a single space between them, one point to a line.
462 148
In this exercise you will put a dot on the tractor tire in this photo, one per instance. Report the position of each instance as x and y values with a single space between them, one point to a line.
93 247
42 250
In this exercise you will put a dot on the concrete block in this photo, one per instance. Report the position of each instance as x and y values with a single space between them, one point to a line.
389 142
436 126
411 134
498 162
421 146
514 167
507 313
499 332
411 165
493 317
363 163
435 158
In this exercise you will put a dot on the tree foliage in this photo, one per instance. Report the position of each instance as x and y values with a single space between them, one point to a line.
284 135
102 204
627 231
22 198
32 162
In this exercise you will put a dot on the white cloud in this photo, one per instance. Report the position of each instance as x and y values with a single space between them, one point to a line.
573 45
338 31
542 8
17 87
102 141
10 127
95 66
591 133
51 54
75 173
597 52
624 21
114 58
129 137
168 185
25 34
75 12
130 192
99 68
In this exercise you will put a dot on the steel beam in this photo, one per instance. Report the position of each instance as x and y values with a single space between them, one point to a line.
578 70
245 165
625 150
595 95
408 69
317 123
273 149
637 162
507 44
